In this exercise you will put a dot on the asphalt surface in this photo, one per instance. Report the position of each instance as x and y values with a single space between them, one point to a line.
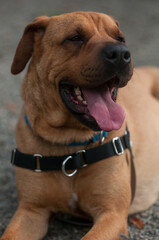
139 20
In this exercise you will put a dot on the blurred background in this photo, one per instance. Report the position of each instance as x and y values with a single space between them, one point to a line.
139 20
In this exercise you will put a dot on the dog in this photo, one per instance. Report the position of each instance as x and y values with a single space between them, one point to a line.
79 66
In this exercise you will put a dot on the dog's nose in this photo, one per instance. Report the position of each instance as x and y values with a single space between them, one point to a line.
116 54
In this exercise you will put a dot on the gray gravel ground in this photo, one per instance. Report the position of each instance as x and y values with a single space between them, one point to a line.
140 22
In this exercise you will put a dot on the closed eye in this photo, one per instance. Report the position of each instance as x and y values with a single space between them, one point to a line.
76 38
79 39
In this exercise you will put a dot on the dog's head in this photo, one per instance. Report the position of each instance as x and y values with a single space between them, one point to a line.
78 61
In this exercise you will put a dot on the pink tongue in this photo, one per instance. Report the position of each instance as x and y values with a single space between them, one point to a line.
108 115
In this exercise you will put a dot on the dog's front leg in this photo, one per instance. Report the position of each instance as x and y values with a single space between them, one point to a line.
108 226
27 224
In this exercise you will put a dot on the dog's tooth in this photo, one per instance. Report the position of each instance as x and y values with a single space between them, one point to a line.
77 91
79 98
84 102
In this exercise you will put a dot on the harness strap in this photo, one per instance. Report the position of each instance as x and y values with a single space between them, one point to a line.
77 160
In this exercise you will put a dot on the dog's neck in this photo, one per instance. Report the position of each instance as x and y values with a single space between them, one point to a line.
100 136
53 140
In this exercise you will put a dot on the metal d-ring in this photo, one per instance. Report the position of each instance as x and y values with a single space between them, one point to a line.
64 168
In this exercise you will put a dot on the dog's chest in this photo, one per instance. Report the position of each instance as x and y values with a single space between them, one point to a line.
73 203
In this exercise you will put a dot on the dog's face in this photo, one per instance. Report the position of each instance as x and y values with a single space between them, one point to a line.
80 58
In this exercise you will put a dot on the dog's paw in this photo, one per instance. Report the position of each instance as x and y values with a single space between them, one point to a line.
6 236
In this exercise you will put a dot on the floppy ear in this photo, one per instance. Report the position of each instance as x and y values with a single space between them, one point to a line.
25 46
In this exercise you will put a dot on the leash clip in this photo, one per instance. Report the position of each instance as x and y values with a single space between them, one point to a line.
116 141
101 137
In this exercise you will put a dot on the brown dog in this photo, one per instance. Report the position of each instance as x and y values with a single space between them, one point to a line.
78 61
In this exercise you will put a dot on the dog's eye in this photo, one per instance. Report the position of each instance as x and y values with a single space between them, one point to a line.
120 39
77 38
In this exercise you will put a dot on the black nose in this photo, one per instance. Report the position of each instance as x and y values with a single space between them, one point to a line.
116 54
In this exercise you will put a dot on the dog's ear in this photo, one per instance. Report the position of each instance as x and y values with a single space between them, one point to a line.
25 46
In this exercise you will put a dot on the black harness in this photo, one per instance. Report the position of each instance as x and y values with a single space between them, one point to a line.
80 159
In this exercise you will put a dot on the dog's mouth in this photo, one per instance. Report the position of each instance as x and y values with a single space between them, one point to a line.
95 107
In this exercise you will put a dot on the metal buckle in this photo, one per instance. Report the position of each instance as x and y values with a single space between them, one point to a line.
115 147
64 168
37 158
83 151
13 155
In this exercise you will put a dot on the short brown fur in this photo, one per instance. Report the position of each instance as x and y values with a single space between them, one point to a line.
102 189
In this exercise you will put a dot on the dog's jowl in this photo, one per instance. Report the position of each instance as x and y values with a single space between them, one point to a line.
82 104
